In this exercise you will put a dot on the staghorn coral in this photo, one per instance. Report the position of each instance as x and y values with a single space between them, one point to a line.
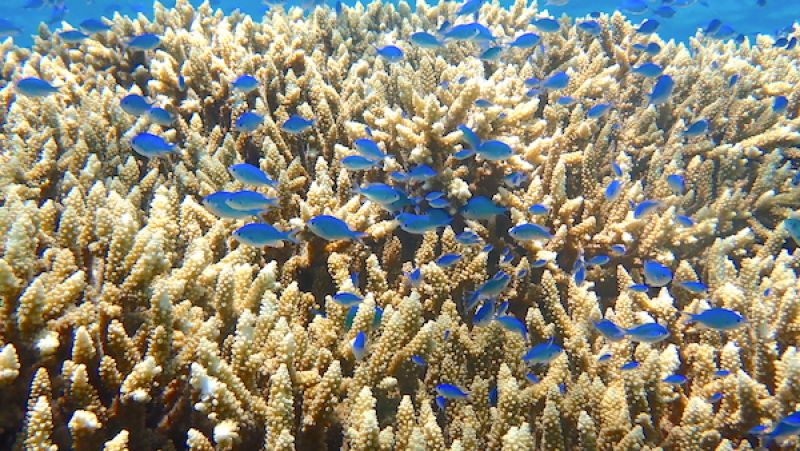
130 318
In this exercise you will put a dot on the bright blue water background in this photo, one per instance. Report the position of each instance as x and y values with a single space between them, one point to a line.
745 16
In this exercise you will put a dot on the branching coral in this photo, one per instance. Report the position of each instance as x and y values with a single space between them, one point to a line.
131 318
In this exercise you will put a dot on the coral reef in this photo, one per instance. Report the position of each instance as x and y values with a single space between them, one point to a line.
130 318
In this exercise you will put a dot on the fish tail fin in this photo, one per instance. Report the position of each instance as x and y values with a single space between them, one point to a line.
291 235
690 318
359 236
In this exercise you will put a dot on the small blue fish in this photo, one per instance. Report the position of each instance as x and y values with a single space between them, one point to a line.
612 190
649 26
665 11
484 315
346 299
604 357
425 40
648 333
525 41
260 235
512 324
216 203
450 391
609 330
618 249
494 286
414 277
676 183
675 379
494 150
539 263
792 225
715 397
491 53
779 104
694 287
538 209
470 7
94 26
358 163
579 273
483 103
515 179
683 220
433 195
296 124
656 274
391 53
244 200
722 373
464 154
598 110
462 32
468 238
543 352
134 104
529 232
546 24
418 360
469 137
146 41
248 122
379 193
717 318
439 203
558 80
633 6
598 260
662 90
493 396
359 345
697 128
645 208
421 173
441 402
617 169
250 175
533 81
649 70
331 228
160 116
149 145
629 366
566 100
590 26
72 36
732 81
448 260
245 83
639 288
530 377
481 207
35 87
713 26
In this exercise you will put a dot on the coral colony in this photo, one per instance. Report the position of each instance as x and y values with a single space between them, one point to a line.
464 227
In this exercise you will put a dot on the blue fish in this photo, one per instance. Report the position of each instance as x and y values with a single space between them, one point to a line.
464 154
529 232
639 288
378 193
469 137
359 345
539 263
217 204
656 274
645 208
717 318
618 249
425 40
484 315
441 402
732 81
579 272
433 195
421 173
715 397
629 366
149 145
462 32
612 190
391 53
590 26
502 309
515 179
525 41
598 260
633 6
72 36
675 379
35 87
533 81
331 228
546 24
470 7
722 373
160 116
450 391
538 209
94 26
248 122
792 225
245 200
439 203
468 238
558 80
662 90
604 357
418 360
346 299
648 333
448 260
617 169
697 128
512 324
145 41
779 104
530 377
649 70
481 207
609 330
296 124
134 104
683 220
665 11
377 317
260 235
649 26
491 53
358 163
414 277
494 286
494 150
692 286
250 175
543 352
676 183
713 26
245 83
493 396
598 110
565 100
482 103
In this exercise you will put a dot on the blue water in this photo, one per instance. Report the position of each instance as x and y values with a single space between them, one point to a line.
745 16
